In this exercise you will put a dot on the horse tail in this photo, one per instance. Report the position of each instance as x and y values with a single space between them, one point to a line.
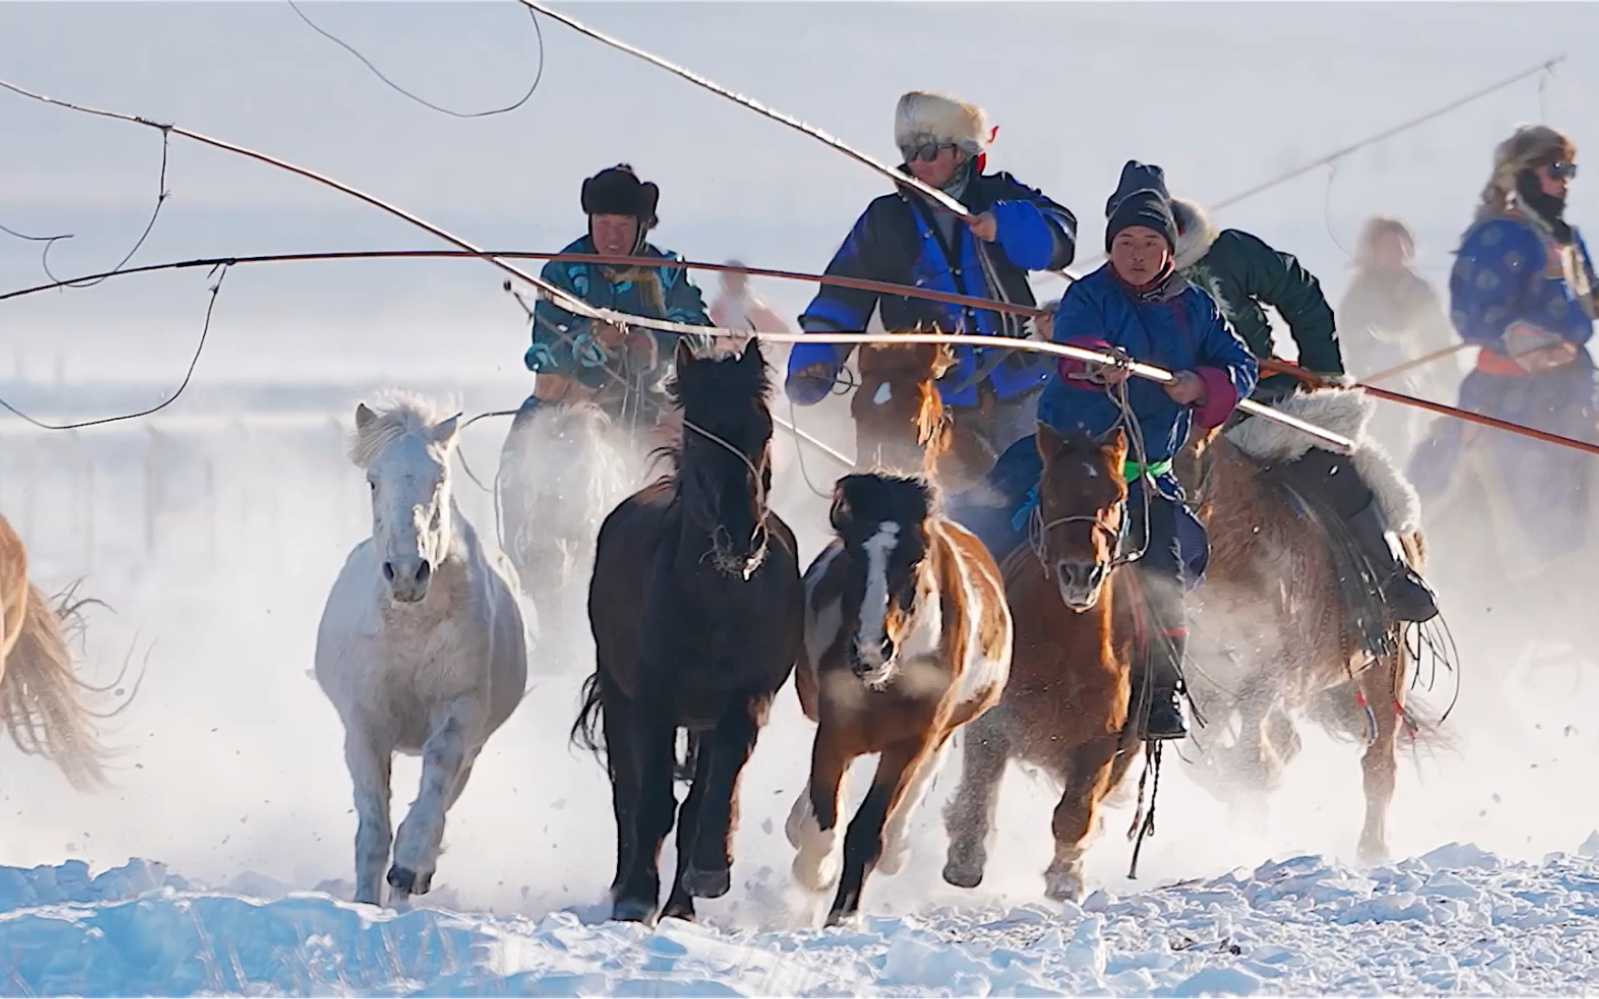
43 703
586 732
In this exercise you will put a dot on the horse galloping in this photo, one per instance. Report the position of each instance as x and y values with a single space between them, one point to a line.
1065 707
422 647
559 474
901 423
697 612
907 638
41 697
1274 632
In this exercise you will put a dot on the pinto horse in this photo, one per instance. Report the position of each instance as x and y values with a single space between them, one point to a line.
1065 708
697 611
900 420
1271 631
907 638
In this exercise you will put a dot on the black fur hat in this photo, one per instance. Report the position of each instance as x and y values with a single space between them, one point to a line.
618 191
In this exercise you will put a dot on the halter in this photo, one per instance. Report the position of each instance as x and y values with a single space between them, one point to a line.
759 554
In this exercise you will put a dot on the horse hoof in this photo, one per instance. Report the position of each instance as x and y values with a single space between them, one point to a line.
406 880
707 884
631 910
1063 886
963 875
679 909
842 920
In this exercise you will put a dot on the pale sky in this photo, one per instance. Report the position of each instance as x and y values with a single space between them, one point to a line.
1223 95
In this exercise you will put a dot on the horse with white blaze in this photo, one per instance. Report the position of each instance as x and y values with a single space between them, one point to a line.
422 647
907 638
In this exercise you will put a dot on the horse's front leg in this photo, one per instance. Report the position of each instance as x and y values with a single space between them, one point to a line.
969 816
1378 765
370 765
903 772
446 756
638 896
680 904
813 822
1087 769
723 751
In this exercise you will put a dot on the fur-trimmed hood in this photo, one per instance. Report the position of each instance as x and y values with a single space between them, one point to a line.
1195 232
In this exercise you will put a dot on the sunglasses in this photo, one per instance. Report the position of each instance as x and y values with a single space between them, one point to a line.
924 151
1561 170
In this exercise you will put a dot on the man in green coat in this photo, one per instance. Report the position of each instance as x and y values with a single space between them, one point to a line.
1244 274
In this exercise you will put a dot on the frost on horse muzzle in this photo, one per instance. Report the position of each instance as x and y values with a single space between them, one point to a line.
730 562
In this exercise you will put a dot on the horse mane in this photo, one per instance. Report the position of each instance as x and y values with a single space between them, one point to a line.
878 496
399 412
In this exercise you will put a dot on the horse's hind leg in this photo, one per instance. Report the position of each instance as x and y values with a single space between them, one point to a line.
445 758
1378 766
370 766
969 816
1087 769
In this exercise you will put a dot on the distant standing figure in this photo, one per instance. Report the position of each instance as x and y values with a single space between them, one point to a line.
737 308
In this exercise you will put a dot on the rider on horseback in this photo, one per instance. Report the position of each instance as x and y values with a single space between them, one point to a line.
1243 274
1138 303
905 238
577 359
1524 290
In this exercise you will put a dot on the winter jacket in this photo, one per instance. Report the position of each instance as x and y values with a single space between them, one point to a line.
1390 316
903 239
1243 274
561 341
1176 327
1506 272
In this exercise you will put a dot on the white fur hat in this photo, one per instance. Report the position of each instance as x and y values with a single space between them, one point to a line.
924 114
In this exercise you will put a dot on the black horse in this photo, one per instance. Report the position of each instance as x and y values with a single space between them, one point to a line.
697 609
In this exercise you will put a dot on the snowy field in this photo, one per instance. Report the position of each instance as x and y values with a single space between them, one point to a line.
220 861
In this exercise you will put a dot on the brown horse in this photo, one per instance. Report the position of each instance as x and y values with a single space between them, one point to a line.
697 611
42 701
907 638
1271 631
1065 708
900 420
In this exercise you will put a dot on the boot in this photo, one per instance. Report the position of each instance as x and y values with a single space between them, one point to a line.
1405 595
1163 718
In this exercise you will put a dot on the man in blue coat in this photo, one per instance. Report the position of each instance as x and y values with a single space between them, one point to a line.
905 238
1138 302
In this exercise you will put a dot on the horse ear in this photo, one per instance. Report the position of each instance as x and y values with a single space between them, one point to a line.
839 516
444 432
363 416
1114 439
1049 441
943 360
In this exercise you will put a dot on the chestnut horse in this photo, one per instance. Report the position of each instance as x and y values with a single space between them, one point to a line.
1065 708
697 611
907 638
1272 633
901 424
42 700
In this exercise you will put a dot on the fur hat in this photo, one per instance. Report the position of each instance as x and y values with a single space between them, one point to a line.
618 191
1529 147
923 115
1140 199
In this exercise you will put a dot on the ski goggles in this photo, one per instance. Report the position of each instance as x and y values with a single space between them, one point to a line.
927 150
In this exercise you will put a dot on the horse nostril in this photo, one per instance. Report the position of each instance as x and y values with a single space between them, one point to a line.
388 571
886 646
424 571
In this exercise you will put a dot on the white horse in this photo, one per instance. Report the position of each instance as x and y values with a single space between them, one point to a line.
422 647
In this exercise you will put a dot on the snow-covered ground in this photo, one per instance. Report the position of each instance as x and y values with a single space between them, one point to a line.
231 782
1455 921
